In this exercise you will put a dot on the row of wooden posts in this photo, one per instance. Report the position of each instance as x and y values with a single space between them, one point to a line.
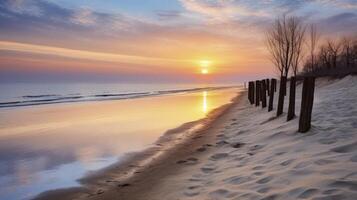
259 90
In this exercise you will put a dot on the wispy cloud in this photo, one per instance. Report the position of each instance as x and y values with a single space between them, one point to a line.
228 31
221 10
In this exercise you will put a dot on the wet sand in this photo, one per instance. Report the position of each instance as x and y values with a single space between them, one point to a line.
136 177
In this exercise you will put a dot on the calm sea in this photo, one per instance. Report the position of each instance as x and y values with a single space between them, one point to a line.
53 135
24 94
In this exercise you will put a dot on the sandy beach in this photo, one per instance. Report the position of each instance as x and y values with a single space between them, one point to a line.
248 153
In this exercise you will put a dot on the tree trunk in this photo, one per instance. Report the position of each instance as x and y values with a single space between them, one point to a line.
281 96
291 110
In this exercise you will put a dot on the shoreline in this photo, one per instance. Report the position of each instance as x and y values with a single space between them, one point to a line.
136 164
249 153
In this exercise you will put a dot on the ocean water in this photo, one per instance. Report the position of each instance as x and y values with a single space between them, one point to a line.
24 94
50 144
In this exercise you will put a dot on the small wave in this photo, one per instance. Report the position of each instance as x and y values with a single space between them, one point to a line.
121 94
40 96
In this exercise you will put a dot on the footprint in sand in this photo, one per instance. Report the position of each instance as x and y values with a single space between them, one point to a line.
208 169
237 145
192 191
351 185
188 161
287 162
221 136
220 193
256 147
258 167
195 180
218 156
271 197
201 149
308 193
331 191
345 148
265 180
324 162
263 190
333 197
296 191
237 180
221 143
258 173
280 153
240 132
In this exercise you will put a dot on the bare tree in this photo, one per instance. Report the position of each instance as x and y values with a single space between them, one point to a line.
297 34
312 43
298 41
347 50
284 40
333 50
335 57
275 45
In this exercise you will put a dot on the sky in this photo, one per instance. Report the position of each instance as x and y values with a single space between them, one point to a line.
151 40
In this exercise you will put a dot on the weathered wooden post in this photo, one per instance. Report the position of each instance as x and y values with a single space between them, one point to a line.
257 93
249 91
281 96
263 93
291 109
307 101
268 86
252 93
271 97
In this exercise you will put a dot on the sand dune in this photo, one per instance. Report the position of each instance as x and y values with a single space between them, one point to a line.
258 156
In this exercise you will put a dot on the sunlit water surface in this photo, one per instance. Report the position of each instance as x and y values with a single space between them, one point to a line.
51 146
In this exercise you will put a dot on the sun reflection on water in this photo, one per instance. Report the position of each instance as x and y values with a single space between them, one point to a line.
204 102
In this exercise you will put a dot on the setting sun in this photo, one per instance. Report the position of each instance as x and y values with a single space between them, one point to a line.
204 71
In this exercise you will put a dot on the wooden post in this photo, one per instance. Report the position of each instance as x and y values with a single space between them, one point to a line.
268 86
249 93
263 93
257 93
271 97
291 109
281 96
252 92
307 101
